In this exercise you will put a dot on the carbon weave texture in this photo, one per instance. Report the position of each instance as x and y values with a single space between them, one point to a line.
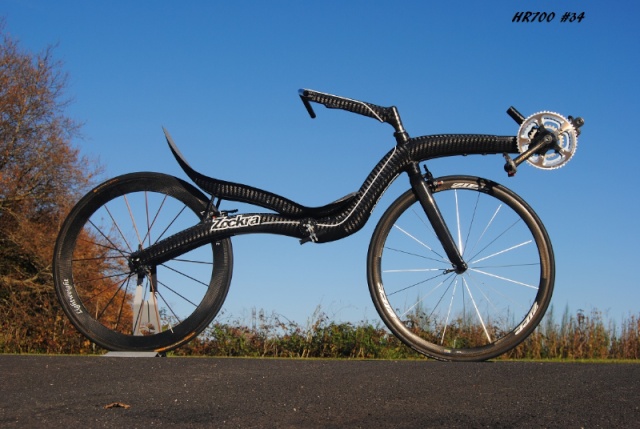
203 233
298 221
430 147
415 150
360 107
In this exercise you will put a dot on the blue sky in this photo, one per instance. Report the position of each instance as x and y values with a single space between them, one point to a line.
223 76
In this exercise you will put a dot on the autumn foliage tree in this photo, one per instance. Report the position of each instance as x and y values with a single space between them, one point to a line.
41 175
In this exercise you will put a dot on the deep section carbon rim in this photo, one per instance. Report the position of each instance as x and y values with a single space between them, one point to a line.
155 308
483 312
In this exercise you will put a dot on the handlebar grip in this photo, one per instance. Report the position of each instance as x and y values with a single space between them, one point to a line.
307 105
515 115
336 102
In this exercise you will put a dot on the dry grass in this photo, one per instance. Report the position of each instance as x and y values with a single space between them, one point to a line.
574 337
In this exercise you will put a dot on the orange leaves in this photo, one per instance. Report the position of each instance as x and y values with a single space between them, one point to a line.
41 175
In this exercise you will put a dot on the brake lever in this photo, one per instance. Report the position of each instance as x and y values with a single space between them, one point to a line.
307 104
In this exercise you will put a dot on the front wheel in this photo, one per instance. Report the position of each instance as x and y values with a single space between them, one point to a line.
486 310
151 308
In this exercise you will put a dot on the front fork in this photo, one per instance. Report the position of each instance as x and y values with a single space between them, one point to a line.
423 193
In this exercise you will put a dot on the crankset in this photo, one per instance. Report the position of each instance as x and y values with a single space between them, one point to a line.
561 151
545 140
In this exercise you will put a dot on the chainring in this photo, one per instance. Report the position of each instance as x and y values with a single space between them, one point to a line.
566 136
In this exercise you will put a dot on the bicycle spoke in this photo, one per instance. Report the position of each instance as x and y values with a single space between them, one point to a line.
504 278
121 310
499 295
473 301
414 285
117 226
97 258
133 220
99 316
170 327
185 275
461 315
446 322
122 306
106 237
486 228
412 254
420 300
112 247
418 241
496 238
503 251
151 223
523 264
459 229
471 223
170 224
192 261
179 295
98 279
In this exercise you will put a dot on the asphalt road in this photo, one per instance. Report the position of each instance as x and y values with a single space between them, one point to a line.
122 392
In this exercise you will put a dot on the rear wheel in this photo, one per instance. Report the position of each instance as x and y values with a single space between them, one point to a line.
481 313
158 308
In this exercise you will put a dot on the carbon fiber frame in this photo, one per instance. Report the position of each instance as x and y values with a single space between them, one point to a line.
320 224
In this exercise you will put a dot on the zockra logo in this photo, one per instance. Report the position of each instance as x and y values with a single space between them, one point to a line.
239 221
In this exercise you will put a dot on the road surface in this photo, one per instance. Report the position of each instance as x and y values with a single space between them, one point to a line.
129 392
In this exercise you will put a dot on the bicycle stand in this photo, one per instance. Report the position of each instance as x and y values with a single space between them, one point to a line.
134 354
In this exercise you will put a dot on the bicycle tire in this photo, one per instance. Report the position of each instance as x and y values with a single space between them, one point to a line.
97 288
485 311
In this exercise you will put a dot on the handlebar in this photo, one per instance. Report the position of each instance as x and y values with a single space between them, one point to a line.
543 141
336 102
387 115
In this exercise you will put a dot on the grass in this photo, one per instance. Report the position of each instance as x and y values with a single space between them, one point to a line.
575 337
579 337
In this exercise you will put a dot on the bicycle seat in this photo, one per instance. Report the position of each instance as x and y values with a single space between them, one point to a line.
248 194
331 208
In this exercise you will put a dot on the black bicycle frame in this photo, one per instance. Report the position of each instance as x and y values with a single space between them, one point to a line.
334 221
